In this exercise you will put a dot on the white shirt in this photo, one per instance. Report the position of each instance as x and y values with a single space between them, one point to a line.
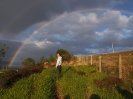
59 61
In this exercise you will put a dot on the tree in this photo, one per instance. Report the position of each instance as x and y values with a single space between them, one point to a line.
28 62
3 51
65 54
41 61
51 58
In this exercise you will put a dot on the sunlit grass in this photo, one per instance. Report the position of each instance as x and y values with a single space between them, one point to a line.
75 83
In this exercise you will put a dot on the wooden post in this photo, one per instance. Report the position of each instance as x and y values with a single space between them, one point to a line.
87 60
99 63
84 59
91 59
120 67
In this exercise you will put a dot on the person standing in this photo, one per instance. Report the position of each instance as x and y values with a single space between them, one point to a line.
58 65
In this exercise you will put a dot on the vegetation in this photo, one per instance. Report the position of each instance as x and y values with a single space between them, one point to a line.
41 61
28 62
110 64
75 83
65 54
51 60
8 78
3 51
36 86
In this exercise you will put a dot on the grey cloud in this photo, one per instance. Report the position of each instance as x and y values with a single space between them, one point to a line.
16 15
81 34
13 45
130 22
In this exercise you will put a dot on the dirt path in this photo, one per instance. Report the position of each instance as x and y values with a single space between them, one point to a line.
59 96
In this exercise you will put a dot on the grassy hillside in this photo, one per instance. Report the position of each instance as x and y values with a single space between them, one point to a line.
110 63
80 82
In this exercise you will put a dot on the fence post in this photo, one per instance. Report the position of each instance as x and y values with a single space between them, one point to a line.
91 59
88 60
120 67
99 63
85 60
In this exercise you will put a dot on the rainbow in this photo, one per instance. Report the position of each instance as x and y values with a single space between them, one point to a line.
28 38
46 24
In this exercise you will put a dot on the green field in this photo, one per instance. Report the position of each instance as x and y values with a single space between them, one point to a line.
75 83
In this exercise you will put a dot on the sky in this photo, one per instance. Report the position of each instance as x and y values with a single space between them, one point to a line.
37 28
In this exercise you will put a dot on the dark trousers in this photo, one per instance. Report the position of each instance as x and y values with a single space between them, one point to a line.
58 71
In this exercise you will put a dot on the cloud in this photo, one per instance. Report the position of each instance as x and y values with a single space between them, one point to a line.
13 46
16 16
78 32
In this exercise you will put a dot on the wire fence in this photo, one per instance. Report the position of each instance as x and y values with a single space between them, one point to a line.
115 64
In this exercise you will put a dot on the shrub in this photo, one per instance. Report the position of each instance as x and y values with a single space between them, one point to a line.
66 56
108 82
12 76
28 62
80 72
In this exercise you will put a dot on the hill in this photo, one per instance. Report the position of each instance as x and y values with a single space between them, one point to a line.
80 82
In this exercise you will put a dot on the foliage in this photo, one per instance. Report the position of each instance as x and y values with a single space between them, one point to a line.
10 77
75 83
110 64
3 51
109 82
36 86
74 87
28 62
101 92
51 58
65 54
41 61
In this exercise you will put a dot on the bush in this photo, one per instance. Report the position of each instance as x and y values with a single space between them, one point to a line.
81 72
66 56
12 76
108 82
28 62
36 86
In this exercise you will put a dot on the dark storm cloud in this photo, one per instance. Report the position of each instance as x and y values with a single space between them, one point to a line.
13 45
16 15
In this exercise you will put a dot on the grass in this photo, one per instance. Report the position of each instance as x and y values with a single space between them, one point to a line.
75 83
36 86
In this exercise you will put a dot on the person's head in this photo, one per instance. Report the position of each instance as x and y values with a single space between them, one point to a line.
58 54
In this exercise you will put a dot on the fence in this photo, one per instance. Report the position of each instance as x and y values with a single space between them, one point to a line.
117 64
